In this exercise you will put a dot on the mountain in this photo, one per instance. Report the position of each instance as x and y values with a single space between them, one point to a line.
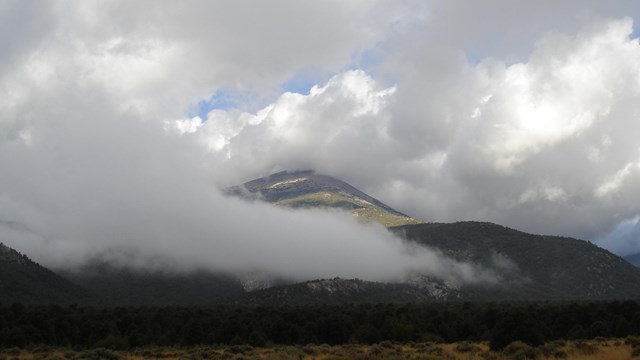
24 281
116 286
525 267
539 267
307 189
343 291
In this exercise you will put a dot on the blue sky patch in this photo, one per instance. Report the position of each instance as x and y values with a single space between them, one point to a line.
302 81
221 99
299 85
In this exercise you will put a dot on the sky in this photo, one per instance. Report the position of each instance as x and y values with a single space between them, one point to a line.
120 120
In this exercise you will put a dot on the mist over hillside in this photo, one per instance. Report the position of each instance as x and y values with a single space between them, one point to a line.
126 126
24 281
460 261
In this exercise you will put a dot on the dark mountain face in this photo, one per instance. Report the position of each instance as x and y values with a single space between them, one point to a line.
127 287
548 267
343 291
24 281
528 267
307 189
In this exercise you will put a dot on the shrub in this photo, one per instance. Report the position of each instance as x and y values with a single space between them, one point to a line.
435 350
376 350
585 348
467 347
309 349
99 354
239 349
52 357
518 350
12 351
633 341
553 350
488 355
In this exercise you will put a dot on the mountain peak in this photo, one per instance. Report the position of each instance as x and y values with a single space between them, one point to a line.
306 188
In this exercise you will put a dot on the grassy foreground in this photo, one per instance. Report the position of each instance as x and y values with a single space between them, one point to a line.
597 349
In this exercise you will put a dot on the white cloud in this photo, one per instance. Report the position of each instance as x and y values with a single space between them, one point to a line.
522 128
96 163
533 144
616 182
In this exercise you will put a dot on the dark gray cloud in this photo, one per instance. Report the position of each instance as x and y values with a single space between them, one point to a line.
506 29
23 25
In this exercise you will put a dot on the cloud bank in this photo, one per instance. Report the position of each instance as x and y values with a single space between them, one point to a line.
93 164
534 127
548 145
130 192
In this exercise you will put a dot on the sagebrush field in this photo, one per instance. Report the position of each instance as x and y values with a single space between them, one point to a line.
596 349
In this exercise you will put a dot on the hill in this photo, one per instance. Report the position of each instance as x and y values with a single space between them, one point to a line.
24 281
344 291
542 267
527 267
127 287
308 189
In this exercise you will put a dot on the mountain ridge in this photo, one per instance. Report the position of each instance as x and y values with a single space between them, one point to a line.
338 291
22 280
528 267
305 188
559 268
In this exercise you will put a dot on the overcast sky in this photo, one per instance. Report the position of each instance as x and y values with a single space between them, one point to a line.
120 119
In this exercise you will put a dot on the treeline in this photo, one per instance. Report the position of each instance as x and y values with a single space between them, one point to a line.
128 327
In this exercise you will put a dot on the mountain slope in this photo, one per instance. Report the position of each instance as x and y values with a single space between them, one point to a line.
307 189
126 287
550 267
343 291
24 281
530 268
